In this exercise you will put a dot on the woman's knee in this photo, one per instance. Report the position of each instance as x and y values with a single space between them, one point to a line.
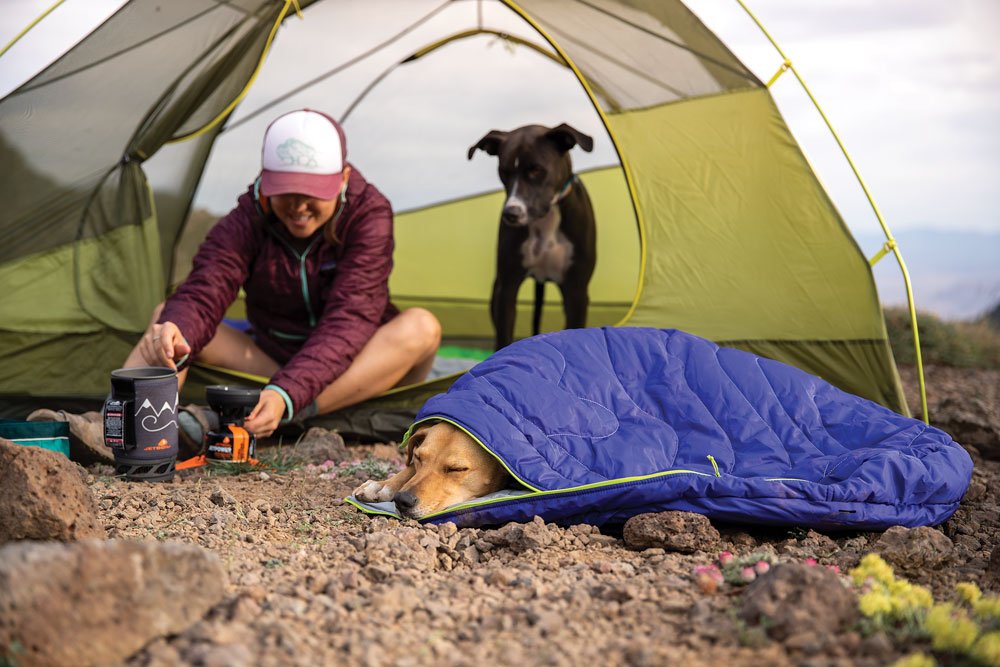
421 328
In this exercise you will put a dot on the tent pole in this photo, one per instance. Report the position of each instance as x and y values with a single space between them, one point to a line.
890 241
253 77
614 142
29 27
430 48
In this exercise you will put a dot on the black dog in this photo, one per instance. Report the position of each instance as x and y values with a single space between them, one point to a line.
547 226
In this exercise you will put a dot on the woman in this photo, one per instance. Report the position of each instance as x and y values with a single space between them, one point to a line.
310 243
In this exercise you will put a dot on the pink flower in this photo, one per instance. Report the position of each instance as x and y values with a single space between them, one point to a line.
747 574
762 567
725 558
835 568
810 561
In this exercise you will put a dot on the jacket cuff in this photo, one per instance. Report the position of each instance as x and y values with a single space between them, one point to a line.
289 411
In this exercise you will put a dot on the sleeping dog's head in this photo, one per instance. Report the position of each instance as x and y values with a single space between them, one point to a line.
534 166
448 467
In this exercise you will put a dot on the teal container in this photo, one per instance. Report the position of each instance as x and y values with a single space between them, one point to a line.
47 435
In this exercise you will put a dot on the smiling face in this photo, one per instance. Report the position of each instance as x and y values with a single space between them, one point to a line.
301 214
449 468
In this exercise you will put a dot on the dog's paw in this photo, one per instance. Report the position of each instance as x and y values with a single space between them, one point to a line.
374 492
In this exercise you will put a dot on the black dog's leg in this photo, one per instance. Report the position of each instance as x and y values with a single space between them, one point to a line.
536 315
503 307
575 304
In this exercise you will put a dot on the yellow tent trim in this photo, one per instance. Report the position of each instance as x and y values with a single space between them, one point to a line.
629 180
420 53
29 27
890 241
253 77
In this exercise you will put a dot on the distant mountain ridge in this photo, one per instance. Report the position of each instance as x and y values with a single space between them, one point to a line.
955 275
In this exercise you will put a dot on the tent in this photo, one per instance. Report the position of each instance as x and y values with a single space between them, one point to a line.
710 218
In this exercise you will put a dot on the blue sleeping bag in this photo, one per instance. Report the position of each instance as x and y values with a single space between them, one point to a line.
599 425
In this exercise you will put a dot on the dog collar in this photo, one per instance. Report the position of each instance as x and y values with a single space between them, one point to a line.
566 189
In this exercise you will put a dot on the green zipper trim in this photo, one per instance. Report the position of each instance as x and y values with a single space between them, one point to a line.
535 492
715 466
305 282
286 336
302 278
368 510
531 495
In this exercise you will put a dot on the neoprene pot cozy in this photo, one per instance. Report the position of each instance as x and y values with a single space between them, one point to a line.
140 422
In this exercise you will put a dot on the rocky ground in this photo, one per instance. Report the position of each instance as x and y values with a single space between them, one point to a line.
308 580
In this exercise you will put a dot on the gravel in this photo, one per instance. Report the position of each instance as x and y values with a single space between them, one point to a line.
313 581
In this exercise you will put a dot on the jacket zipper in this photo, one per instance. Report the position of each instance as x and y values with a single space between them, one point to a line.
304 283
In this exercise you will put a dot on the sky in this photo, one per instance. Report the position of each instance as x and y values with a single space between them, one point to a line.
911 86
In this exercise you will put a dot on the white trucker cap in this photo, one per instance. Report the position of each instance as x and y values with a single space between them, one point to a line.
304 153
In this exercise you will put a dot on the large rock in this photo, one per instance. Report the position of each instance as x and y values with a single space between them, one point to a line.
96 603
43 497
319 445
685 532
970 421
799 600
915 549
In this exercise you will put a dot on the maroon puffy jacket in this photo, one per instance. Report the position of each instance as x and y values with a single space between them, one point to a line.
312 305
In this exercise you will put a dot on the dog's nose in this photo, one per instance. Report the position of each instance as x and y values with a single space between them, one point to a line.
405 501
512 214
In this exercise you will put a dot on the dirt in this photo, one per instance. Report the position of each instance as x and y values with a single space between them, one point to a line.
312 581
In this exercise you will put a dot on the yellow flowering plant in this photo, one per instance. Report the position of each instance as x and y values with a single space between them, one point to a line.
888 603
966 632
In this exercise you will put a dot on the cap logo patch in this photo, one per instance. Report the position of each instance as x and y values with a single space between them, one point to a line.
296 153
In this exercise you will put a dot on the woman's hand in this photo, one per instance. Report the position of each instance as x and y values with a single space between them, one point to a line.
163 345
267 414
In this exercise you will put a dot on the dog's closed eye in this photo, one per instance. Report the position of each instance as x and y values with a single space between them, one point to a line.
457 468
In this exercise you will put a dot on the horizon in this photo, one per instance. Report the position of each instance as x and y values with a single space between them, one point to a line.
918 121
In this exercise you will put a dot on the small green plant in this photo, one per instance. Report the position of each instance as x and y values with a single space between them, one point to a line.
279 459
228 469
751 635
370 466
9 657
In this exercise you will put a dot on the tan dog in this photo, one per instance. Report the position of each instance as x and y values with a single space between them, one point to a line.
444 466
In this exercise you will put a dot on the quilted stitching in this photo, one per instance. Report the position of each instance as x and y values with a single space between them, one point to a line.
869 466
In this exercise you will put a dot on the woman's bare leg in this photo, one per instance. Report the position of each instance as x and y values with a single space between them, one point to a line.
229 348
401 352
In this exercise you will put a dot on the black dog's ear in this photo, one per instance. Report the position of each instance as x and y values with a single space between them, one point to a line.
566 136
490 143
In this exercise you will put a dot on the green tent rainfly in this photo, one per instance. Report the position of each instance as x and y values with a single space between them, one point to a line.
710 218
